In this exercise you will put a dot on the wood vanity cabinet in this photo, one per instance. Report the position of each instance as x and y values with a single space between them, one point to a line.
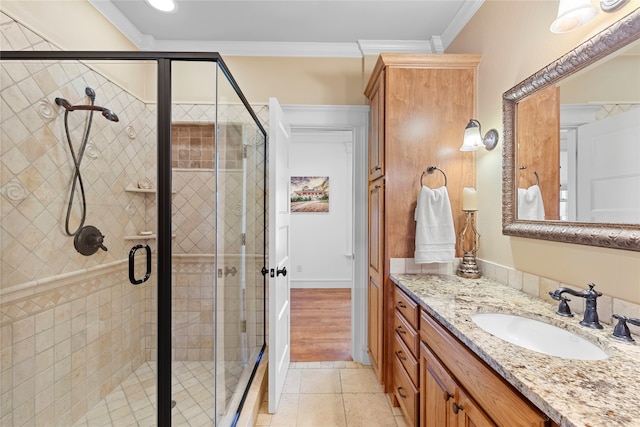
444 403
376 128
459 389
406 353
420 105
375 289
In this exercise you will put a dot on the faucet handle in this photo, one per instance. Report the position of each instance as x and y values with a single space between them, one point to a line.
621 330
563 307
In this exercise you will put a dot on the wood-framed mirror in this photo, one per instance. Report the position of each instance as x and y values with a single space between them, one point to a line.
535 204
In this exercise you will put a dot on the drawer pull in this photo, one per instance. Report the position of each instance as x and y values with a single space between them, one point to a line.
400 356
456 408
401 304
376 168
404 396
400 330
447 396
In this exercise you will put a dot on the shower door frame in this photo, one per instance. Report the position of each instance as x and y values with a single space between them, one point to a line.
164 201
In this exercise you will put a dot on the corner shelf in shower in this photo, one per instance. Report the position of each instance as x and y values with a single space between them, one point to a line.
145 191
144 237
132 189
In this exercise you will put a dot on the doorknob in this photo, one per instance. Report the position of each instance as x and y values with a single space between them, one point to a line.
283 271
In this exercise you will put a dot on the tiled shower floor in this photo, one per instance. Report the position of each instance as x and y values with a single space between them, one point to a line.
133 402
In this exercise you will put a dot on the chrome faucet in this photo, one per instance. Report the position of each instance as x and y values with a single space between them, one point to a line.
590 319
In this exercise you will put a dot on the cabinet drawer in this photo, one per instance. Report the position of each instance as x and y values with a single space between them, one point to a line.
406 393
407 307
502 403
408 335
407 360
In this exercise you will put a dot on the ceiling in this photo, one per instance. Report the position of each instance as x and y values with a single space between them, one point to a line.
292 27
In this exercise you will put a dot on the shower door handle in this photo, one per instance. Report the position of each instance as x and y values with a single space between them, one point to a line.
132 255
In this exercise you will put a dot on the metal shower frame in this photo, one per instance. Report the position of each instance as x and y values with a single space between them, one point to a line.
163 60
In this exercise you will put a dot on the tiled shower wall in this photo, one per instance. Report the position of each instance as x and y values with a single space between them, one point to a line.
71 326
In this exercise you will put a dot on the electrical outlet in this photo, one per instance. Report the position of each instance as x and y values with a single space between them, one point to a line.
299 268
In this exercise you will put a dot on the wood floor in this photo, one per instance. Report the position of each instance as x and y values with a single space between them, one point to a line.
320 325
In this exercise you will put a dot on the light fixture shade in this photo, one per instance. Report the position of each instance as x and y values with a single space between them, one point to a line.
573 14
163 5
472 138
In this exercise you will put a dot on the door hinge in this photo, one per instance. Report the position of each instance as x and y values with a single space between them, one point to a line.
244 151
244 326
243 236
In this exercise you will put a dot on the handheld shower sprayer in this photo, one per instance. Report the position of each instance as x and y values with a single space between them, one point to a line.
108 114
91 94
87 239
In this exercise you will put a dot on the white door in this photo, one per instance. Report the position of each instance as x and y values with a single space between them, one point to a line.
608 169
279 262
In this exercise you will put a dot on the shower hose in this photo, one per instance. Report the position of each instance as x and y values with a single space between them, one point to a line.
77 176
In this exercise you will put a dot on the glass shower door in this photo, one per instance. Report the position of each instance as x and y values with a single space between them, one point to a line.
78 172
239 249
218 245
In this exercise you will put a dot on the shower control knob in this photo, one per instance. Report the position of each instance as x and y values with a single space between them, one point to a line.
88 240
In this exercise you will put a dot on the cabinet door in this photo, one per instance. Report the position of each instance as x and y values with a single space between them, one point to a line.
437 390
374 326
376 270
376 130
469 413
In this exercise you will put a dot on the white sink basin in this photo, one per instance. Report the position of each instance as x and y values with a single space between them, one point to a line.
538 336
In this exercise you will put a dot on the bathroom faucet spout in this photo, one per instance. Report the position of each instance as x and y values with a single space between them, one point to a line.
590 319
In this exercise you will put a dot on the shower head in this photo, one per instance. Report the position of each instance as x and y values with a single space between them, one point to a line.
108 114
91 94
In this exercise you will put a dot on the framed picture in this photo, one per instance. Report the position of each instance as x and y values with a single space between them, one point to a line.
310 194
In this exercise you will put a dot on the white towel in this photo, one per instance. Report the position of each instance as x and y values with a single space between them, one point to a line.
530 204
435 234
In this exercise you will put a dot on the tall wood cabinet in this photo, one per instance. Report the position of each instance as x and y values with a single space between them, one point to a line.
420 105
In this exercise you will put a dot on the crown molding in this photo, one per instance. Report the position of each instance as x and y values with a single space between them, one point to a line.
464 15
113 15
375 47
258 48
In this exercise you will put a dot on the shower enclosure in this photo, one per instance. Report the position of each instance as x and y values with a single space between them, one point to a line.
161 321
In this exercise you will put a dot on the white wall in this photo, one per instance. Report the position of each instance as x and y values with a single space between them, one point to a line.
322 243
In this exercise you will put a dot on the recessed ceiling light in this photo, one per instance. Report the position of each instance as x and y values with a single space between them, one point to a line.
163 5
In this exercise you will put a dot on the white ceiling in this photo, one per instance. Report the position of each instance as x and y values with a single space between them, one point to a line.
292 27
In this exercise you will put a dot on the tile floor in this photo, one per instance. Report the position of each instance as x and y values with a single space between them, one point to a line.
133 402
331 394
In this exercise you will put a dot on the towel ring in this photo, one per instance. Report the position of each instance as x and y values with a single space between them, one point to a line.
534 172
430 170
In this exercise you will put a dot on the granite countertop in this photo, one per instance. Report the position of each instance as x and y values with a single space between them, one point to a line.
571 392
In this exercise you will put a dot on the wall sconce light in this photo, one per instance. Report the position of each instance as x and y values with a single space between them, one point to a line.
474 140
163 5
611 5
573 14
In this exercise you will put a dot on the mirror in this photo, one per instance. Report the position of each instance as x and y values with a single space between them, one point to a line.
545 117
